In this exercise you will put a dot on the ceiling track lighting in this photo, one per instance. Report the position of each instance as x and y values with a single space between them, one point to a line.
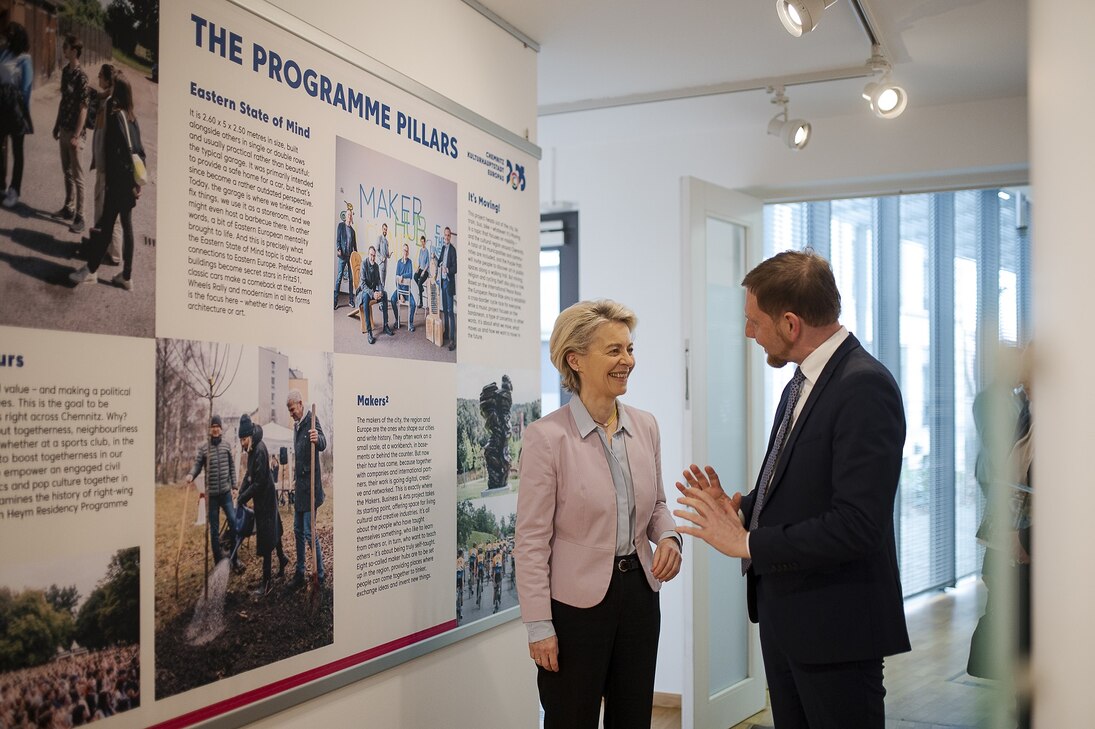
801 16
795 133
886 99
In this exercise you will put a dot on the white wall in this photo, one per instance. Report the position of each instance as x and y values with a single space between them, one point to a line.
1064 259
621 168
452 49
445 45
435 691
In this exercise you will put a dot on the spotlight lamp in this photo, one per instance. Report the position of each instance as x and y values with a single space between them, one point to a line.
886 99
795 133
801 16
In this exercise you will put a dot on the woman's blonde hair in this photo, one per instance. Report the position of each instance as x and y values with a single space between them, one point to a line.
574 329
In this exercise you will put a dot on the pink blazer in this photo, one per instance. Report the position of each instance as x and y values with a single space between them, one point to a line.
566 511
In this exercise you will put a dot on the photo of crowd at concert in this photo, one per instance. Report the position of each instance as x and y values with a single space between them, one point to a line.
69 653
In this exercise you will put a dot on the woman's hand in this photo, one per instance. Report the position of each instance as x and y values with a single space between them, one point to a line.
667 559
545 653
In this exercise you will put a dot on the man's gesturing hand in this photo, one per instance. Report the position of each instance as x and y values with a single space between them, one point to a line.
714 515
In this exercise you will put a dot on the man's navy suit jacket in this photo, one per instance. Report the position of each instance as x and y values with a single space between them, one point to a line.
824 580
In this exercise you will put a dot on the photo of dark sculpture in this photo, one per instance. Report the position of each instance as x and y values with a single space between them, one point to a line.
495 403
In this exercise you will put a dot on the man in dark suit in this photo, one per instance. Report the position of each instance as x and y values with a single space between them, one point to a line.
446 272
372 289
345 245
816 534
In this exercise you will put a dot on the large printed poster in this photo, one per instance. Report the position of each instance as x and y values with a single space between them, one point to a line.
261 413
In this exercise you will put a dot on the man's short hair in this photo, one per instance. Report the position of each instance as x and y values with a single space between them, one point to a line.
574 331
73 42
800 282
293 396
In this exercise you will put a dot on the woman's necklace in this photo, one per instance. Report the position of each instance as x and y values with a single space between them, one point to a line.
611 421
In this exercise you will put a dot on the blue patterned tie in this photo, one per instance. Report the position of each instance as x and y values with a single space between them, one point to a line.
795 388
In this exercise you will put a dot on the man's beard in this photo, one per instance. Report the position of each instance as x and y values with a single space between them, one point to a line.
775 360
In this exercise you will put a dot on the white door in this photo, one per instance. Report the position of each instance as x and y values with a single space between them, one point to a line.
724 677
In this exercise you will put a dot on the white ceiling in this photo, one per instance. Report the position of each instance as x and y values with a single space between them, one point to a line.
942 51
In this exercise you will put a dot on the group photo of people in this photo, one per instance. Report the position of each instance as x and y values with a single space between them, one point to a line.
78 138
484 566
244 509
396 257
71 647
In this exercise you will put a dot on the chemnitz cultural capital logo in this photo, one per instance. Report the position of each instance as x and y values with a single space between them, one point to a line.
500 168
515 174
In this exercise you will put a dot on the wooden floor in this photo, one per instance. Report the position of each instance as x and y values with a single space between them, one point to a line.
927 688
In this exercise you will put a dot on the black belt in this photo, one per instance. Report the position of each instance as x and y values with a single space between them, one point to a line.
628 563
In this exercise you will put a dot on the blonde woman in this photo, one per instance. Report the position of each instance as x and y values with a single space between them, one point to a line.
590 505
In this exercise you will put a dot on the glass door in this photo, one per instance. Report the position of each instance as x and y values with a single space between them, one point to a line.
724 682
